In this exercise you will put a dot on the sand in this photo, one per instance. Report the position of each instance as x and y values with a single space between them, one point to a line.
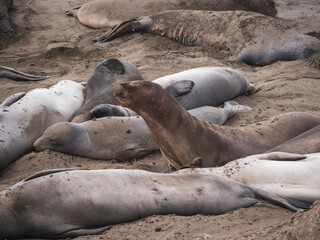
46 42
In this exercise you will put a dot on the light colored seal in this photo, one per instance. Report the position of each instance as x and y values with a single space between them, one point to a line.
211 86
10 73
118 137
5 24
98 88
255 44
25 116
307 142
107 13
187 141
284 174
70 203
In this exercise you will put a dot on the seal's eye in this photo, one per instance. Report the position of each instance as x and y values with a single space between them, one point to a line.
135 84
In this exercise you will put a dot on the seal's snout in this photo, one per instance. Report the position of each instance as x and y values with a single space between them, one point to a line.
118 90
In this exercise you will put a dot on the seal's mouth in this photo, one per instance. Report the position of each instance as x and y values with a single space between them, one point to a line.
118 91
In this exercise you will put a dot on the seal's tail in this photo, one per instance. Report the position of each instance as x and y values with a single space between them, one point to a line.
253 89
236 107
294 205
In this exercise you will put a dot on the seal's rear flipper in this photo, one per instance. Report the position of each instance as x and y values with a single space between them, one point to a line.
114 65
127 26
280 156
10 73
252 89
82 232
180 88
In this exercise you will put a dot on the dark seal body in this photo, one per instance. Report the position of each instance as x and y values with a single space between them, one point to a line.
5 24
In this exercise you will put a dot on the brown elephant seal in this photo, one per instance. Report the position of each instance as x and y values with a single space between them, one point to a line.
187 141
98 88
10 73
254 44
25 116
5 24
107 13
71 203
307 142
119 138
287 175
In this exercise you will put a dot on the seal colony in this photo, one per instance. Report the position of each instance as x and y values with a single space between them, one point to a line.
25 116
107 13
70 203
287 175
203 144
119 138
254 44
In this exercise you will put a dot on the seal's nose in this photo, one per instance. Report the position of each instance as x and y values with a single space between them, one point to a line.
118 90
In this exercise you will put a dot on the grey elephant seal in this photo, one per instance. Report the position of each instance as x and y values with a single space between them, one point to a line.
287 175
107 13
187 141
25 116
98 88
10 73
254 44
70 203
211 86
307 142
5 24
118 137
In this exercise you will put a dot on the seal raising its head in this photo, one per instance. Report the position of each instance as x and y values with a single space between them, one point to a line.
187 141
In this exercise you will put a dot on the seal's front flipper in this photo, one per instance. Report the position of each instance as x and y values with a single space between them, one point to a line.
180 88
253 89
10 73
236 107
82 232
47 172
73 11
114 65
127 26
12 99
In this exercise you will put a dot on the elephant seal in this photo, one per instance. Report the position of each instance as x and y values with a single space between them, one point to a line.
211 86
237 32
107 13
187 141
98 88
5 24
25 116
71 203
10 73
287 175
118 137
307 142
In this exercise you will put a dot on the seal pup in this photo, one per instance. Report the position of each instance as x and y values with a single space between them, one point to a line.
307 142
10 73
72 203
25 116
187 141
119 138
287 175
206 86
254 44
107 13
98 88
5 24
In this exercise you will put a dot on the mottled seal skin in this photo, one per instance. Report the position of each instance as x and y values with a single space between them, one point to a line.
10 73
187 141
70 203
107 13
5 24
98 88
25 116
254 44
284 174
118 137
307 142
212 86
